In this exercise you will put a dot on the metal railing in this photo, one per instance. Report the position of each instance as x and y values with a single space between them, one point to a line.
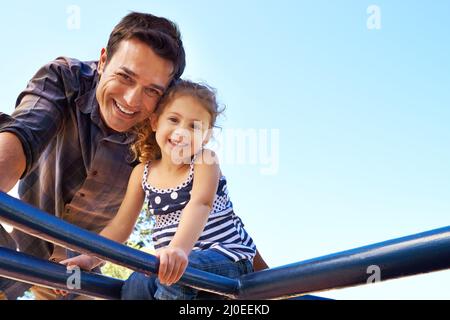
25 268
420 253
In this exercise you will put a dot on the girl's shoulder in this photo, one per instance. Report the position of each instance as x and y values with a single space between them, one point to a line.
137 174
206 157
145 166
140 167
206 161
141 170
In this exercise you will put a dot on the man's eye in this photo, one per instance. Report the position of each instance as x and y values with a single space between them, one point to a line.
124 77
152 92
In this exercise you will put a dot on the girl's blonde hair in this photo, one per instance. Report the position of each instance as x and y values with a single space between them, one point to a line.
145 147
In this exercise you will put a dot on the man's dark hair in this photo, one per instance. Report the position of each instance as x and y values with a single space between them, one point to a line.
160 34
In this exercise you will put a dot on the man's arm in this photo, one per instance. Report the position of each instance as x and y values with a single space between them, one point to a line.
12 161
36 120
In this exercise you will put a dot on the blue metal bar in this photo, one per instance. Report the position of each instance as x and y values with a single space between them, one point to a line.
19 266
45 226
25 268
420 253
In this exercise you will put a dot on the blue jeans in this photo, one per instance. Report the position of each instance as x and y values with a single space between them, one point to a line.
143 287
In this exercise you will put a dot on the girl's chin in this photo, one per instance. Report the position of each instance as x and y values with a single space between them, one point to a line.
178 161
178 156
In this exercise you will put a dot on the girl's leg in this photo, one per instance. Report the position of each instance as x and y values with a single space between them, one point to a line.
139 287
207 260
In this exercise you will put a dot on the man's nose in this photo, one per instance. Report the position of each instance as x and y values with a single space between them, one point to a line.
133 97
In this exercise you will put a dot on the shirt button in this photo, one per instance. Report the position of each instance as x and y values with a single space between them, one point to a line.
94 173
82 194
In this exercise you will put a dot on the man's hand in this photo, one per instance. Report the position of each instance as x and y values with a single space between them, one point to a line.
63 292
172 264
83 261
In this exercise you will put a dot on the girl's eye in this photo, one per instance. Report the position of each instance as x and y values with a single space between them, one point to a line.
173 120
196 126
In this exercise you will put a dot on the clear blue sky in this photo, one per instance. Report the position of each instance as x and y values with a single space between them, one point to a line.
362 115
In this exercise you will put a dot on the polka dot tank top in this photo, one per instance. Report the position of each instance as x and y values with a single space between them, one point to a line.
223 232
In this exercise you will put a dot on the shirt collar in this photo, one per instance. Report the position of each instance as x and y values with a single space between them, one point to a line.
87 102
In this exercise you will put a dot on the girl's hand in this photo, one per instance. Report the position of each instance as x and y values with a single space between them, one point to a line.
172 264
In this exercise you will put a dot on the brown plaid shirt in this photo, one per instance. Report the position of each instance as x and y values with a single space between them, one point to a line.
76 169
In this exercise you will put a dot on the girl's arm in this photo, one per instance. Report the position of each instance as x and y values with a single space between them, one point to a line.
173 259
121 226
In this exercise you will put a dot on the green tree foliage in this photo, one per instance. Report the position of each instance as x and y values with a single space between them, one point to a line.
139 239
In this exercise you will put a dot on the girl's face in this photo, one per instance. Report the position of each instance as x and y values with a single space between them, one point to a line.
182 128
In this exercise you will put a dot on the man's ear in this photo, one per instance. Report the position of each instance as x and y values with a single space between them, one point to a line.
102 61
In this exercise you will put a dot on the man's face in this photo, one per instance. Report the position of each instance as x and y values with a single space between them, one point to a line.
131 84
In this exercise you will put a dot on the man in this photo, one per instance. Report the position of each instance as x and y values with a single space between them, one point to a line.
67 140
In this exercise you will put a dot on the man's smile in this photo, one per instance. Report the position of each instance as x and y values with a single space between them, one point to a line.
123 109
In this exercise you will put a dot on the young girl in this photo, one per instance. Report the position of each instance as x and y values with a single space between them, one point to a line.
186 193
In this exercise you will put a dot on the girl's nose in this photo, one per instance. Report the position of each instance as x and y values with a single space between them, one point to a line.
178 135
176 138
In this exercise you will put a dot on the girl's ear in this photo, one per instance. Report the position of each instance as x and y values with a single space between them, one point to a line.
207 136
